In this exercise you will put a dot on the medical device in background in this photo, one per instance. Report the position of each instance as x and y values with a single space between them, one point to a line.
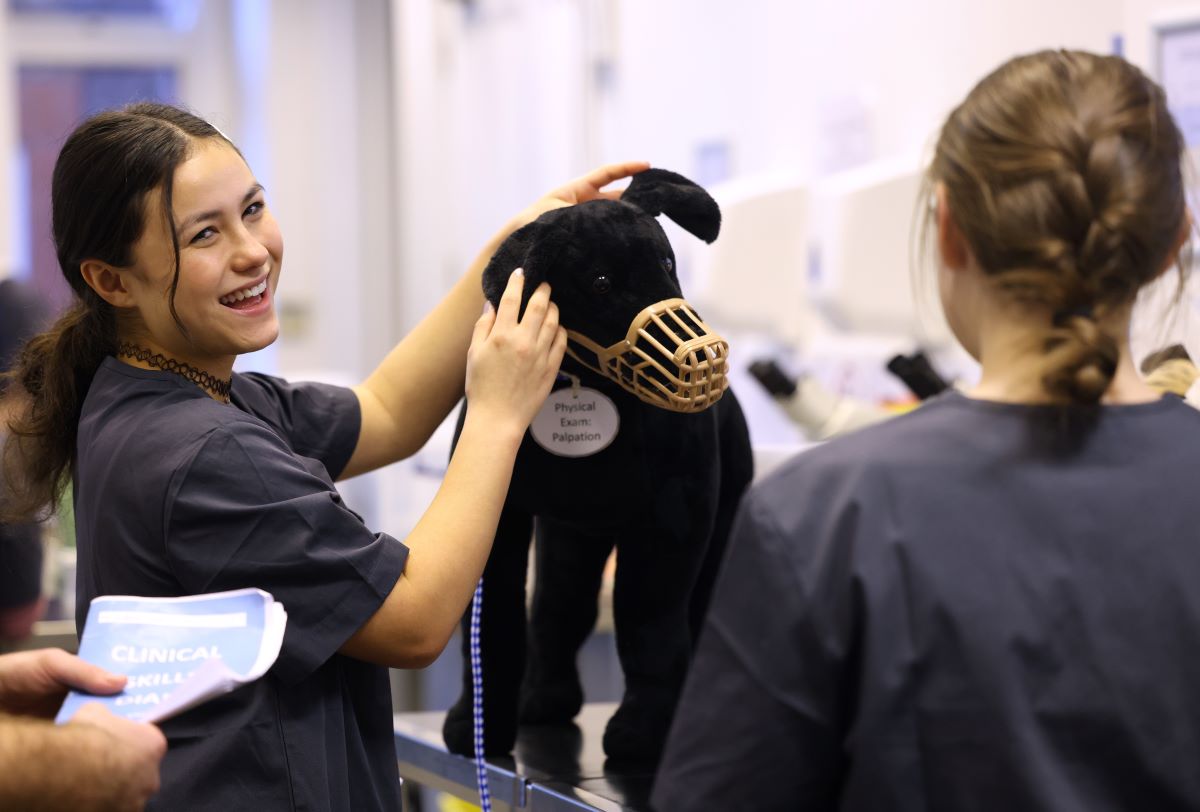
819 412
863 261
822 414
753 279
816 277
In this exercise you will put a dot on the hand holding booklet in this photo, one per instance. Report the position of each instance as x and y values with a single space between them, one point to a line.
178 652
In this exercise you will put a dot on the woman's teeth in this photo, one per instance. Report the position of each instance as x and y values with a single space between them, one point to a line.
248 293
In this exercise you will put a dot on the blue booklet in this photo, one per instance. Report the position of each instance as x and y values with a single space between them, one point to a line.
178 652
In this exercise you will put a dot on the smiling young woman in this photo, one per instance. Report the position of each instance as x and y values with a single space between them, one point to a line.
190 478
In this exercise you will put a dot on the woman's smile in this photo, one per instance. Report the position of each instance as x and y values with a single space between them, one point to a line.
249 300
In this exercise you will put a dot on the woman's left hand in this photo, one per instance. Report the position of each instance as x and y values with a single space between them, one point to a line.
581 189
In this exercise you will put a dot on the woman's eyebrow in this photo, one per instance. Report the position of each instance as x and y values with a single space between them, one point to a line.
183 225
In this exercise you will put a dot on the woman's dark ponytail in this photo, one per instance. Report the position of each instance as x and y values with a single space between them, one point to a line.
52 375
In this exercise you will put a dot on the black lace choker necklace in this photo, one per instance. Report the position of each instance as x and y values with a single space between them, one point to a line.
209 383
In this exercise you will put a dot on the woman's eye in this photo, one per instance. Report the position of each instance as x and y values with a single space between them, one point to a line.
253 209
204 234
602 284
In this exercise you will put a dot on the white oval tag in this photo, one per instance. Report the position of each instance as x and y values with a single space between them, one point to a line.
575 422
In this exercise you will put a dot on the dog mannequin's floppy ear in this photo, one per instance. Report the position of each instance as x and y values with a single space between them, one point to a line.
533 248
657 191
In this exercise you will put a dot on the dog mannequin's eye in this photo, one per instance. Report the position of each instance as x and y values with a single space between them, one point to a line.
602 284
668 264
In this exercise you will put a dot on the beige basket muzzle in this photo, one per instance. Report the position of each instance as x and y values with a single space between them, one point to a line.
669 358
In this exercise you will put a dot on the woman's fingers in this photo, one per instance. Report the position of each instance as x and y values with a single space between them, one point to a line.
511 367
553 338
505 319
600 177
535 328
536 309
510 300
549 326
587 187
559 348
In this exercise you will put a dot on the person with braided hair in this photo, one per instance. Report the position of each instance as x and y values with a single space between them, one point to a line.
988 603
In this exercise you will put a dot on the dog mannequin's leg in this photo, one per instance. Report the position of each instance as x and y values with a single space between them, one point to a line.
502 639
568 574
654 579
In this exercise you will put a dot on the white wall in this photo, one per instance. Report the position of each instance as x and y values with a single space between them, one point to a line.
326 124
489 116
779 78
521 94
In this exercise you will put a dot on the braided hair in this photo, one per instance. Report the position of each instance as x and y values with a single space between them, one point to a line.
1063 171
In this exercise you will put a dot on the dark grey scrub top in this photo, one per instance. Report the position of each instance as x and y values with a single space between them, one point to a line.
177 494
966 608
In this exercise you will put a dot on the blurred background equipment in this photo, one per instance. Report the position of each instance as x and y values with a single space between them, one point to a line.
1171 369
918 374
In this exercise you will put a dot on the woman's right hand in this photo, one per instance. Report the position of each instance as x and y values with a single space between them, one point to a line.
511 364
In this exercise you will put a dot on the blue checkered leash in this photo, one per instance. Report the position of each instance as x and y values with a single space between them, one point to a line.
485 796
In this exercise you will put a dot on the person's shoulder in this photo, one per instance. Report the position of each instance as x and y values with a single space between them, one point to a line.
903 443
282 402
1192 398
262 384
862 474
1170 427
159 413
1184 410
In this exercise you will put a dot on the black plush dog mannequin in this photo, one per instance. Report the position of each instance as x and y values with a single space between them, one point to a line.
663 491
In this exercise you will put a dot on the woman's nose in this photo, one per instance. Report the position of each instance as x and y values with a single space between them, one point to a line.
250 254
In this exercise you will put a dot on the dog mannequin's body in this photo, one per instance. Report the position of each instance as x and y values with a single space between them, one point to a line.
663 493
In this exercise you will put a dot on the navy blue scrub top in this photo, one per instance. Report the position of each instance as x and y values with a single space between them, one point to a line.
969 607
177 494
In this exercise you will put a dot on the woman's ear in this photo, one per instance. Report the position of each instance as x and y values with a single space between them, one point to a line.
952 245
106 281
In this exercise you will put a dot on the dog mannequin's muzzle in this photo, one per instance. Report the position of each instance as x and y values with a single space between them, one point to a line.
669 358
